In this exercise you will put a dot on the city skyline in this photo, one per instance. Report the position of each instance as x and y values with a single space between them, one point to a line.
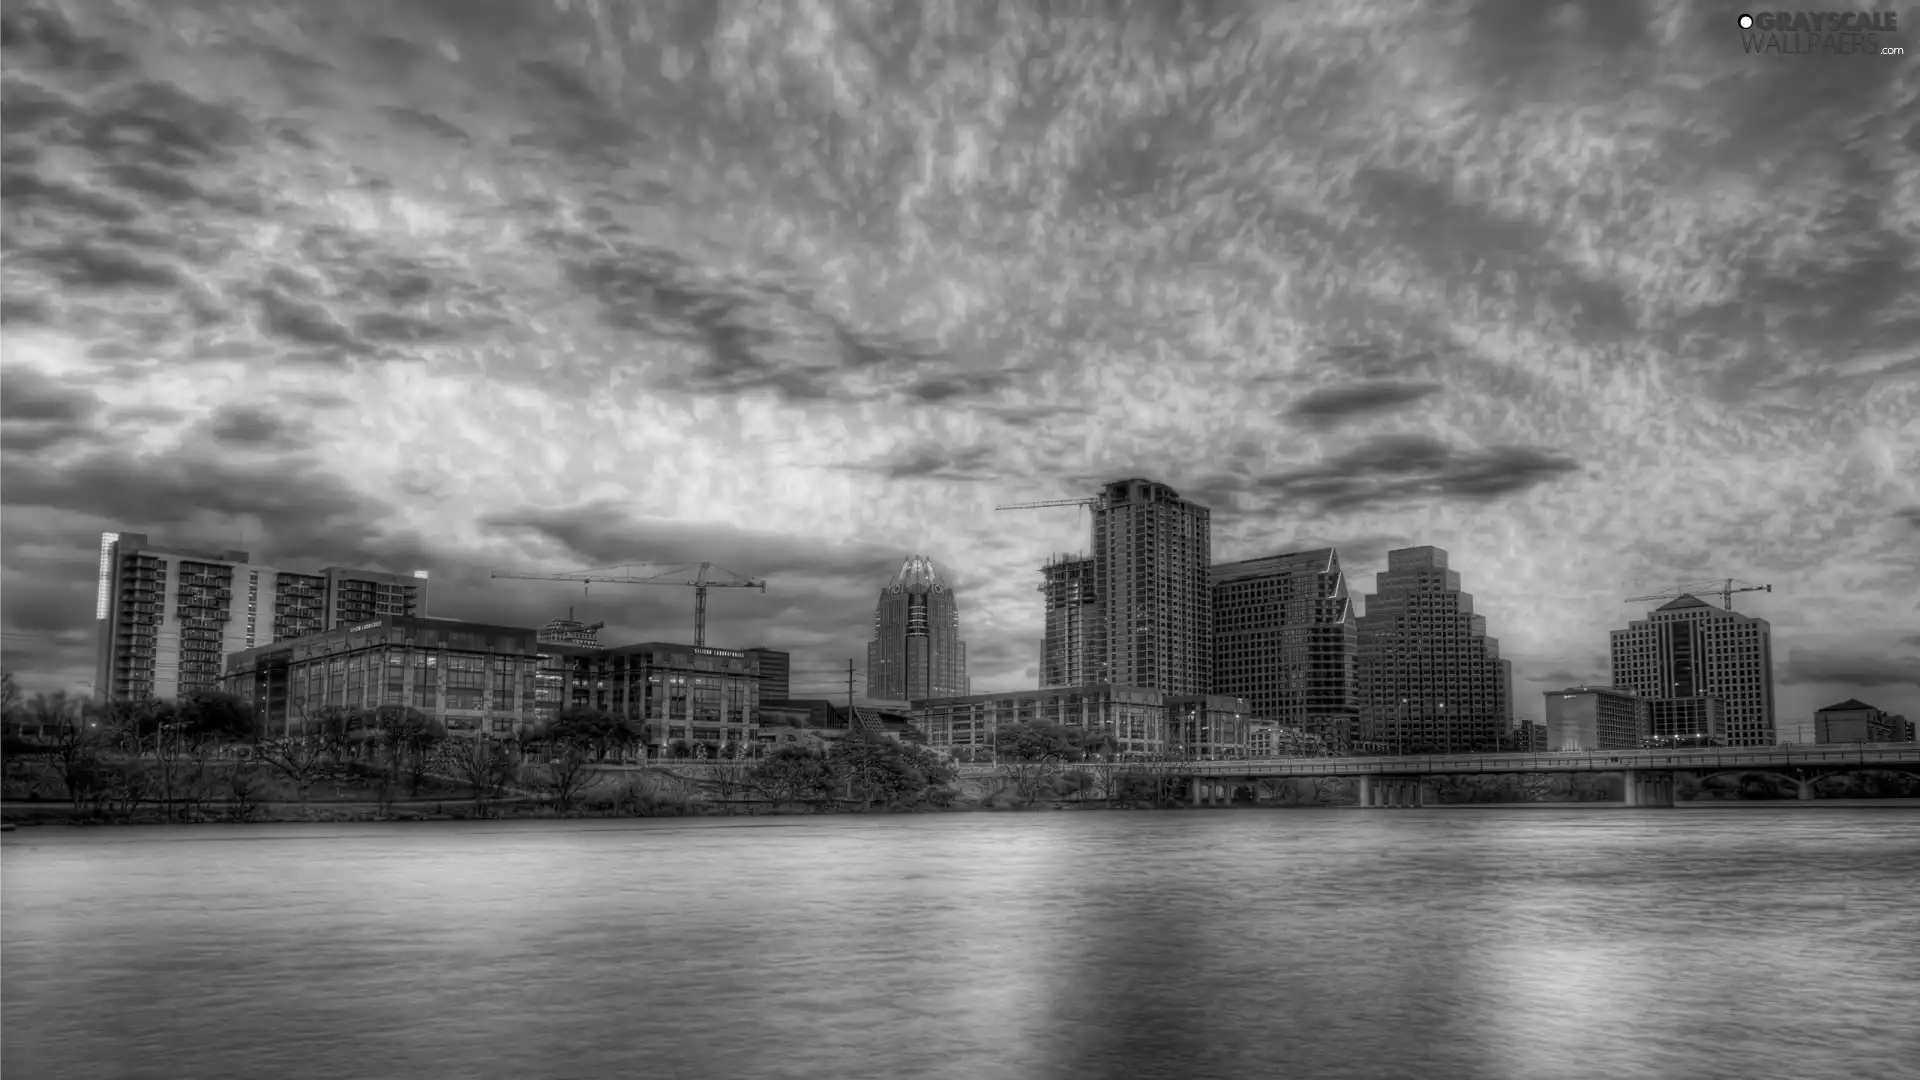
505 322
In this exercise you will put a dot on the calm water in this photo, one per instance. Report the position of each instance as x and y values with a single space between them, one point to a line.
1531 944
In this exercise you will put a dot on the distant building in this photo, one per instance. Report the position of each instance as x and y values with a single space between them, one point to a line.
1285 638
1594 718
472 677
1142 720
1152 551
167 617
916 650
1073 614
1431 679
1688 648
1855 721
776 672
1525 737
1268 739
571 631
1685 721
674 692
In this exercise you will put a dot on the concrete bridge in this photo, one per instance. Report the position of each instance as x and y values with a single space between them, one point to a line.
1400 781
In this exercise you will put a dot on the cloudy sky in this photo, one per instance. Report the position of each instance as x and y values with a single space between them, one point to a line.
1577 291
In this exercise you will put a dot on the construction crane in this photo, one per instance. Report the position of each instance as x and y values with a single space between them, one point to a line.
1089 503
1723 587
688 575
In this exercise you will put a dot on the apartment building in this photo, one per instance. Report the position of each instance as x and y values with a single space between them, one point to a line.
1285 638
1688 648
1431 679
1152 553
166 617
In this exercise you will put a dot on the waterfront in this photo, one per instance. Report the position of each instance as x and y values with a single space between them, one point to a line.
1328 943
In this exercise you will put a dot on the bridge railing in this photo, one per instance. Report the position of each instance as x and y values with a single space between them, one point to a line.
1596 761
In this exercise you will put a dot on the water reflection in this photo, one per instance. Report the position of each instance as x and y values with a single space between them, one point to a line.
1301 943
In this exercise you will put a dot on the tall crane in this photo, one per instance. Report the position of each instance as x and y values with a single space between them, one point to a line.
689 575
1089 503
1722 587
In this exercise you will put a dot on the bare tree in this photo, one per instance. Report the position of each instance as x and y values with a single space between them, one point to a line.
485 766
302 761
568 775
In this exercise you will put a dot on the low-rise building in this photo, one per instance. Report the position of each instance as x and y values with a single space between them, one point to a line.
472 677
1685 721
1594 718
1140 720
1855 721
674 693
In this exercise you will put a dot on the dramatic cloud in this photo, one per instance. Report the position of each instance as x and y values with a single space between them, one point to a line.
1835 668
798 288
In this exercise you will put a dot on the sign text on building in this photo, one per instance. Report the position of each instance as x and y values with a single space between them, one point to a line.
721 652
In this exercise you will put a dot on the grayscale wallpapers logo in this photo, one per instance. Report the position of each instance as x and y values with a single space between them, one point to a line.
1835 33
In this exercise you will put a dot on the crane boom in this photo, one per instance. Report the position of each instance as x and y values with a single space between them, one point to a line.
1724 588
1089 502
690 575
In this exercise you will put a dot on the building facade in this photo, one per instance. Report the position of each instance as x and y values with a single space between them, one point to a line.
776 672
671 692
1152 553
167 617
1141 720
916 651
1285 638
473 678
1684 722
1594 718
1431 679
1855 721
1689 648
1072 614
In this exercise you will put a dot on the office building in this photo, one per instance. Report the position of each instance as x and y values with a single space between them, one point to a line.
916 651
776 672
167 616
1689 648
1855 721
1072 614
672 692
473 678
1684 722
1152 552
1594 718
1285 638
1208 726
1135 716
1431 679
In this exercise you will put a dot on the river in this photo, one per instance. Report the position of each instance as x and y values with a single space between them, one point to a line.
1457 943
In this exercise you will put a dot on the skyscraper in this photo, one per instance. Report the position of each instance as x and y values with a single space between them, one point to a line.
167 617
1073 611
1688 648
916 650
1284 638
1151 554
1430 677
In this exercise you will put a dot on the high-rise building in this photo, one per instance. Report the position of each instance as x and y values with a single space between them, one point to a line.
1073 611
1430 677
1594 718
1855 721
916 651
1285 638
1688 648
1152 551
168 616
776 672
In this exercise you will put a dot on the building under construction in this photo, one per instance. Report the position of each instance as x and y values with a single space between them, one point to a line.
571 631
1152 552
1073 610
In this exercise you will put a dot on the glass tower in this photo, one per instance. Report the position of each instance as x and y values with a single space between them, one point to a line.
916 651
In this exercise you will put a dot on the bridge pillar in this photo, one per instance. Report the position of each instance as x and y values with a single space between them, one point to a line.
1648 788
1363 791
1806 789
1630 787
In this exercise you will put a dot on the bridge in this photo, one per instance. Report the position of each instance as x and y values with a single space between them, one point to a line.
1400 781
